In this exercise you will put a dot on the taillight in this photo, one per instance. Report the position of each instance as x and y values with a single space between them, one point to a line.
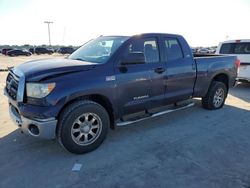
237 63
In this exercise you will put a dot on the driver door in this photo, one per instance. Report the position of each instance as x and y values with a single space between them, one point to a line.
135 82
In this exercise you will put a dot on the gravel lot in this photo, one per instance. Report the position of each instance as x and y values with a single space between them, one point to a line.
189 148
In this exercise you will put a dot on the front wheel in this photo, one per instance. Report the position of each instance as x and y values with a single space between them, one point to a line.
83 126
216 96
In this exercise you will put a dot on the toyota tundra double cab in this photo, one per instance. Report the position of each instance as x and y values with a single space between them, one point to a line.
113 81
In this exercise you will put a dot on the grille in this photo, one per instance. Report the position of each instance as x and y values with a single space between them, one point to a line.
12 85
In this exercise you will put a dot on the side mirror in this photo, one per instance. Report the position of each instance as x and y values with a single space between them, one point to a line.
133 58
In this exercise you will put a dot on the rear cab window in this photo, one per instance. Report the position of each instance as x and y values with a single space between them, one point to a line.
235 48
173 49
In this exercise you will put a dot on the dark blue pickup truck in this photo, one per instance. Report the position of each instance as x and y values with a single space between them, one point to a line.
112 81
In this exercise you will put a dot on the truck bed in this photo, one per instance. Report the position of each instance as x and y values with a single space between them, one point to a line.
209 65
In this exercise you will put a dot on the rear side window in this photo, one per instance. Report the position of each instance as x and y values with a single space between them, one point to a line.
235 48
173 49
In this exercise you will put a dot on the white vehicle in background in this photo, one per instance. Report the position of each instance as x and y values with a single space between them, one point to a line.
211 50
241 48
203 51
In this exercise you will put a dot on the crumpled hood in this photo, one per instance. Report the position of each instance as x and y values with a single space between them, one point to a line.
41 69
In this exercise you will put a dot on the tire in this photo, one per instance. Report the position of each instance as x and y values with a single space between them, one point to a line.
216 96
82 126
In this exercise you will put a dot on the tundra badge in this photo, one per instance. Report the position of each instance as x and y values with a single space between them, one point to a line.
110 78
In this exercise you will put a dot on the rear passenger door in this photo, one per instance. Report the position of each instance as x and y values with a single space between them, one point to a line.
157 71
181 71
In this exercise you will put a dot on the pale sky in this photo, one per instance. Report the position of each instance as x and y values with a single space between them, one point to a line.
201 22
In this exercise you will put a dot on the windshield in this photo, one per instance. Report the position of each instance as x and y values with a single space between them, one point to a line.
98 50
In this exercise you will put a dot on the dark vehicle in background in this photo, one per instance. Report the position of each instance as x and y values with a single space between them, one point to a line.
114 81
31 50
18 53
42 50
5 50
66 50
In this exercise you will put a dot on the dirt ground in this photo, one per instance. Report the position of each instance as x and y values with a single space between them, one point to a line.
188 148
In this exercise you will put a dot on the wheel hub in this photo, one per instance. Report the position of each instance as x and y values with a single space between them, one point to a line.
218 97
85 128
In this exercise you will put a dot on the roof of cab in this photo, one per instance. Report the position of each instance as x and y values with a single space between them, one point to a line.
157 34
146 35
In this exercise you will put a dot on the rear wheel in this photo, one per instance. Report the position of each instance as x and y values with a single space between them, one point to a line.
216 96
83 126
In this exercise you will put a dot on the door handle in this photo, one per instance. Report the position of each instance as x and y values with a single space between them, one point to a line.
160 70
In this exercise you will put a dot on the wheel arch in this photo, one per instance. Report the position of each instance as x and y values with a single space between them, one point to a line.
100 99
222 77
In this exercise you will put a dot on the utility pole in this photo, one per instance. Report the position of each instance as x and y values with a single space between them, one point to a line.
49 22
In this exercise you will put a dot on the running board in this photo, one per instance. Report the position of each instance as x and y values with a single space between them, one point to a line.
123 123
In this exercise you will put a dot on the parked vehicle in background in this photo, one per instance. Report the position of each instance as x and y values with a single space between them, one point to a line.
203 51
5 50
18 53
194 50
114 81
42 50
211 50
31 50
241 48
66 50
206 50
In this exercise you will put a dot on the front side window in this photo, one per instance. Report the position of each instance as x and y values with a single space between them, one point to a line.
146 46
98 50
173 49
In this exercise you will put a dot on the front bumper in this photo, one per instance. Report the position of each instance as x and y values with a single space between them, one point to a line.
43 128
35 122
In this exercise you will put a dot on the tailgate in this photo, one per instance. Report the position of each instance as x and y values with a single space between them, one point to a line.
244 71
